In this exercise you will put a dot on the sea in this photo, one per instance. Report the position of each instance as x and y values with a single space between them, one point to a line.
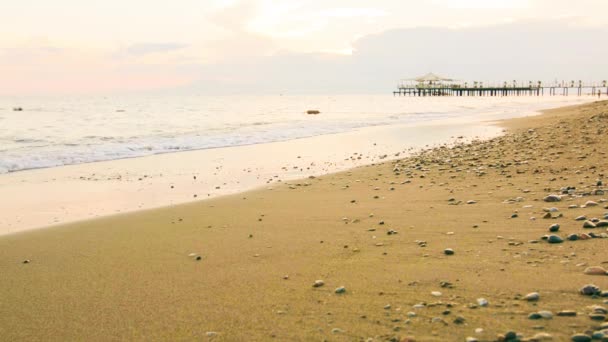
57 131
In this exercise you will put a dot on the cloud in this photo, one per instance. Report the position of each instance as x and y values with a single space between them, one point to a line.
523 50
150 48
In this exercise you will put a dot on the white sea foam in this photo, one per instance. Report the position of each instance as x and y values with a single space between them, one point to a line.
64 131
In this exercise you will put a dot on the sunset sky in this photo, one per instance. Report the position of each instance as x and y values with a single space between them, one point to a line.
80 46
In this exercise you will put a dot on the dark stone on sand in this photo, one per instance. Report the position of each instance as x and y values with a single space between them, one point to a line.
552 198
567 313
554 228
590 290
573 237
448 251
581 338
554 239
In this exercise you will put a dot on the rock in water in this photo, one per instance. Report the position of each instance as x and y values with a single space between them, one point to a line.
595 270
554 239
552 198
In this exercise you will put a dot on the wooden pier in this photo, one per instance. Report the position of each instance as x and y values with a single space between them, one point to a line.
433 85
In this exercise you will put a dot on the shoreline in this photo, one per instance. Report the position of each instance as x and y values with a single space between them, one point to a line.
380 231
53 196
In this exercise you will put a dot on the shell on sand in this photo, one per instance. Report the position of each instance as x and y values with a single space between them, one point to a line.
595 270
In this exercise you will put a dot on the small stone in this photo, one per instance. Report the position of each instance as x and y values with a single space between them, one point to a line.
448 251
482 302
511 335
459 320
471 339
387 307
318 283
546 314
199 258
336 331
591 204
589 224
436 294
534 315
340 290
471 202
581 338
580 218
552 198
542 336
573 237
590 290
602 224
554 239
554 228
26 261
211 334
595 270
598 317
532 297
567 313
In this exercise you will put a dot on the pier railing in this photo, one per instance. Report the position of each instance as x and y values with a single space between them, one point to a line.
514 88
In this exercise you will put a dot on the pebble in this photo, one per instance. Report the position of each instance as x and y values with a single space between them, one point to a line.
567 313
580 218
211 333
337 331
597 317
543 336
595 270
26 261
581 338
573 237
546 314
532 297
459 320
448 251
554 228
554 239
318 283
589 224
591 204
471 202
482 302
436 294
552 198
590 290
601 224
340 290
471 339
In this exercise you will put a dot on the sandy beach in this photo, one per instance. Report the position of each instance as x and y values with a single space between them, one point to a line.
243 267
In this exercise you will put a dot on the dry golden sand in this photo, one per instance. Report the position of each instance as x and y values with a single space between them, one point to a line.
130 277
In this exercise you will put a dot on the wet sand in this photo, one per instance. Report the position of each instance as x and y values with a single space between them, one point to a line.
136 276
43 197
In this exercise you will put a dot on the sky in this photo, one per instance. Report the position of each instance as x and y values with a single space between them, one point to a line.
313 46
